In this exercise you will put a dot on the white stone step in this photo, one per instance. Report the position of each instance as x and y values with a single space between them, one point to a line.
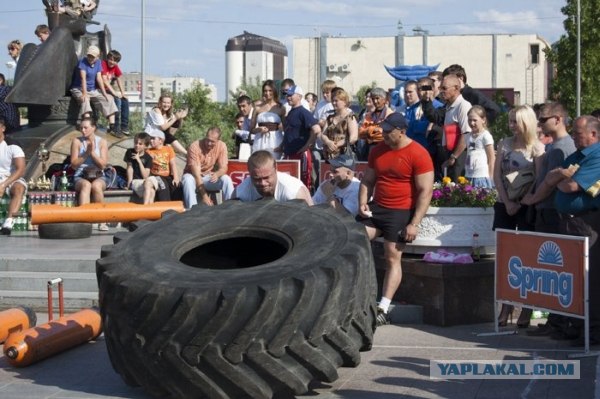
37 281
38 300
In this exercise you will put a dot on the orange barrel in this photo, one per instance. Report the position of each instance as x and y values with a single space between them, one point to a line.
102 212
15 320
34 344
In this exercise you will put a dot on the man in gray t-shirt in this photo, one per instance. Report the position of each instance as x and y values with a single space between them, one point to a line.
552 121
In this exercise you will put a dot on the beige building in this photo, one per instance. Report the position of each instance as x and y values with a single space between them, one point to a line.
491 61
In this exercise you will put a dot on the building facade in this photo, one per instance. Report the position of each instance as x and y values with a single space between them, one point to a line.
249 56
492 61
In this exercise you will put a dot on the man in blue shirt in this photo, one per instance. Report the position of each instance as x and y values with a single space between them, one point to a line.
89 71
301 129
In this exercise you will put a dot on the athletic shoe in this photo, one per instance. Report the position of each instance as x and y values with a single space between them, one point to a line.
115 133
7 226
382 318
103 227
125 132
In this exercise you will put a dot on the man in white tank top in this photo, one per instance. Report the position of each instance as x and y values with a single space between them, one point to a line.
266 182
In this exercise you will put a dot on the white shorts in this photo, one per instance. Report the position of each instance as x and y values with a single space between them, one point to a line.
137 185
20 181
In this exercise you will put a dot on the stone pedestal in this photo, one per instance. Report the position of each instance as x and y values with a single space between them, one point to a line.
450 294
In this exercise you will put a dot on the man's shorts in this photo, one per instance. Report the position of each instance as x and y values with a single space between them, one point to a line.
389 221
20 181
137 185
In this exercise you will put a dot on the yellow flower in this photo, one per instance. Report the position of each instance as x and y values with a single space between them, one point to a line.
462 180
446 180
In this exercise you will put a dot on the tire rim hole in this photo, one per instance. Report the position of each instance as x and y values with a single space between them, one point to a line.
235 253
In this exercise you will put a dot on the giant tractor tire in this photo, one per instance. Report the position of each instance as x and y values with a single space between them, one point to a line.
238 300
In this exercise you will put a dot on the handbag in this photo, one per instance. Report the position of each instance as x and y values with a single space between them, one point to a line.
519 182
91 173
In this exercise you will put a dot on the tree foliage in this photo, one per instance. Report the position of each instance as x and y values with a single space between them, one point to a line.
360 94
563 55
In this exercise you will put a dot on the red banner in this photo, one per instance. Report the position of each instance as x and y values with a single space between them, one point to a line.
238 170
541 270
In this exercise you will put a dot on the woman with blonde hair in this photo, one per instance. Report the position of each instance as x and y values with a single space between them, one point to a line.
14 49
517 153
341 128
163 118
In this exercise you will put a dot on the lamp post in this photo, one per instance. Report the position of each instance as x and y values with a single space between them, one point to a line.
11 65
143 69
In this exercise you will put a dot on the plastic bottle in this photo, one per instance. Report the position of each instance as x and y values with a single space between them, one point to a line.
64 181
475 254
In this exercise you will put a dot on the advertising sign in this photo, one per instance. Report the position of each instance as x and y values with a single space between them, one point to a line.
238 170
539 270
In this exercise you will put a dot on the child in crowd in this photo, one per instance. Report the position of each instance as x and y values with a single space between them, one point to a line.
479 165
42 32
111 74
163 173
139 163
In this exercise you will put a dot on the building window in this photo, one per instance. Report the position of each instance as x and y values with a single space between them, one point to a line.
535 53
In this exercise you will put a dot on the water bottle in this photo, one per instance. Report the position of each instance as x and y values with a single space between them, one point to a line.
64 181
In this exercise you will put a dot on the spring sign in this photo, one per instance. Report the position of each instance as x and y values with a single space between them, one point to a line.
541 270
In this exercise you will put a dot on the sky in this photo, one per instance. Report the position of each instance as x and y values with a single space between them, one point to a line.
188 38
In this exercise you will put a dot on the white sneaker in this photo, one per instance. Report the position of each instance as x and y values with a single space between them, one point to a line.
103 227
7 226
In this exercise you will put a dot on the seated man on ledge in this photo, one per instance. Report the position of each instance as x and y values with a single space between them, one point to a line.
206 170
265 182
341 191
12 169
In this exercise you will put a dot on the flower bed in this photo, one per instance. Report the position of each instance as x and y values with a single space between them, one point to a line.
457 212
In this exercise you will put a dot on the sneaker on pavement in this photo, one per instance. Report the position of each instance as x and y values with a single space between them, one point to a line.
7 226
125 132
115 133
103 227
382 318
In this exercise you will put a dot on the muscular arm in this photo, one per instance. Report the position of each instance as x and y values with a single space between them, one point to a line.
304 194
365 191
424 188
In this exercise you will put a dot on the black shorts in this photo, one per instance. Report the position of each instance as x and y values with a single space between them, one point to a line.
389 221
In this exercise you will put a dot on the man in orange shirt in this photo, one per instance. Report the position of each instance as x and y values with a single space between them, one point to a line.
206 170
400 178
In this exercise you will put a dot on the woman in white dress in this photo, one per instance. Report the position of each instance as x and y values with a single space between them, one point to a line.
267 122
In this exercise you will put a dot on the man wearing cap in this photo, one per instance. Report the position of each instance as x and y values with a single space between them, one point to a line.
265 182
206 170
400 178
301 129
163 173
341 190
87 79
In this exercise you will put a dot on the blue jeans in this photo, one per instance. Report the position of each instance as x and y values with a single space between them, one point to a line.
122 118
189 188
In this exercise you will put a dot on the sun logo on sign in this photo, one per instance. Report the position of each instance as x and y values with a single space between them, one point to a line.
550 254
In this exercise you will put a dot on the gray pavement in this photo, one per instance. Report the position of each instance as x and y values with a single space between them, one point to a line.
396 367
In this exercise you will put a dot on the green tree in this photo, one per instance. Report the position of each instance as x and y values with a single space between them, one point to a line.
250 87
563 55
360 94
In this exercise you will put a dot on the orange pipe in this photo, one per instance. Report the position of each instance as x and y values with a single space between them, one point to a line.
102 213
34 344
15 320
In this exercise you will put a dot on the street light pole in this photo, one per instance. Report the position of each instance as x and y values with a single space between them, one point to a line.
578 57
143 70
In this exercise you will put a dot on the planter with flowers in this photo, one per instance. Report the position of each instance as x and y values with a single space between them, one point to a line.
457 212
